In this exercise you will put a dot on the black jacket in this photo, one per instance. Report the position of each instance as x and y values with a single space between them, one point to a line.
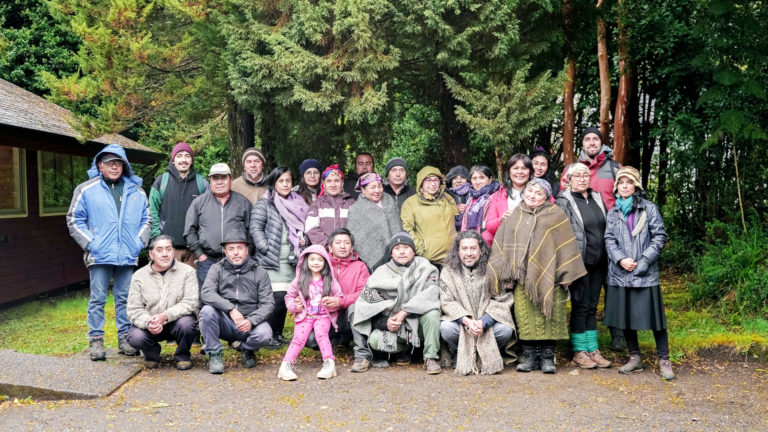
266 230
246 288
207 222
169 207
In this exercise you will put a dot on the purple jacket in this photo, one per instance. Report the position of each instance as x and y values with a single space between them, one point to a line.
325 215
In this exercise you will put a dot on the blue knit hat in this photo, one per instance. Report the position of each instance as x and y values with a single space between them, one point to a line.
307 164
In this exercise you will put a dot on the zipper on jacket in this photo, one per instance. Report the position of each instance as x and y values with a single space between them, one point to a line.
237 287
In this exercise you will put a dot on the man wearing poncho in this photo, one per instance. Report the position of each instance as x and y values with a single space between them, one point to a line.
536 255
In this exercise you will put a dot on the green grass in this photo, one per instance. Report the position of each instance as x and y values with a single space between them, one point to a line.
57 326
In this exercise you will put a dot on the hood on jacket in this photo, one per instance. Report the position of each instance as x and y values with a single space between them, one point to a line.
114 149
458 170
320 251
426 172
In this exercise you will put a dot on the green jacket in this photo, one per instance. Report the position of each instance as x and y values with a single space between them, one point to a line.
430 222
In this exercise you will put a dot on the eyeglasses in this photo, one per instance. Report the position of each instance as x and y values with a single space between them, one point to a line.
432 180
580 176
113 163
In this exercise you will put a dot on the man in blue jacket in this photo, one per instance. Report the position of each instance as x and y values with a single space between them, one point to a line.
109 218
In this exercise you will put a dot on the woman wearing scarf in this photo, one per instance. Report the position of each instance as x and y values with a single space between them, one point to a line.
517 172
373 219
458 186
586 212
329 212
536 256
277 229
483 187
542 169
634 238
309 185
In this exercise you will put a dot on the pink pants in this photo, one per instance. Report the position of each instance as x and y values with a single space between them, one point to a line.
321 326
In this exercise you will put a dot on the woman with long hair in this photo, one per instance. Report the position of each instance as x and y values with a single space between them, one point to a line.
516 173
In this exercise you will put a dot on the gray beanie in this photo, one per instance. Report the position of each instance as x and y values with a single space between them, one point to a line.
393 163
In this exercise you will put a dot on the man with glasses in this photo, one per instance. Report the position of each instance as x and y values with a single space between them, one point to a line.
109 218
429 215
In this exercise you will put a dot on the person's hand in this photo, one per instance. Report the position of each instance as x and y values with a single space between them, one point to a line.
244 326
236 316
331 303
475 327
154 328
202 258
461 207
393 324
299 303
628 264
156 323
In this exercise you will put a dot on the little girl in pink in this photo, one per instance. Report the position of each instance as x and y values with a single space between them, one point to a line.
306 299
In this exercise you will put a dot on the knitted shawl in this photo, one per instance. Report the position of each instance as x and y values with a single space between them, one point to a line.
392 288
538 249
373 227
466 294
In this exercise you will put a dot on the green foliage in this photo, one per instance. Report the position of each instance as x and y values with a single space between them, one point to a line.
415 140
734 268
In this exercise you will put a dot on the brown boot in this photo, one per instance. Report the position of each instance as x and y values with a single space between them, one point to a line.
598 358
582 360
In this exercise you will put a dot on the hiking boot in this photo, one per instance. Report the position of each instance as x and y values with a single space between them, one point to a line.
618 344
432 366
124 348
361 365
583 360
97 349
215 362
329 369
151 364
287 372
635 363
531 360
249 359
548 359
183 365
404 358
598 358
665 369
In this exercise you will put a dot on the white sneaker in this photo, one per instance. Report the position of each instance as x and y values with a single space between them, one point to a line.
287 372
328 370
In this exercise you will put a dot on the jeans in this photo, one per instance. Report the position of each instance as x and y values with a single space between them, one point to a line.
182 331
361 349
202 270
100 275
216 324
449 331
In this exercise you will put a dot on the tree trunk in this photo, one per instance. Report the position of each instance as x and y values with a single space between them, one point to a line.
454 134
569 110
649 145
621 139
661 194
605 76
240 125
268 131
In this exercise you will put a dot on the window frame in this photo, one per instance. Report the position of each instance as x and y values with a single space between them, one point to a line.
23 210
42 211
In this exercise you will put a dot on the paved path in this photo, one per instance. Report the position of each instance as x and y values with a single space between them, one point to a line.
708 395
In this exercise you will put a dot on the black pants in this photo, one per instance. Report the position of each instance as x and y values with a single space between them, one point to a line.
662 342
585 295
277 319
182 331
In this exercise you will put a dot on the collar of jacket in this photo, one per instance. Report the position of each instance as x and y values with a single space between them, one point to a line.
247 265
259 182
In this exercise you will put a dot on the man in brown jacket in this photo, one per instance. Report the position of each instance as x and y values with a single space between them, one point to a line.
252 183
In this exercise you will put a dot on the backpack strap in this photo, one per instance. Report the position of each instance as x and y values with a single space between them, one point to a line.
164 183
200 183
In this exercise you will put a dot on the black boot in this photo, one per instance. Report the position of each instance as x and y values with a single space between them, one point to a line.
530 360
617 340
548 359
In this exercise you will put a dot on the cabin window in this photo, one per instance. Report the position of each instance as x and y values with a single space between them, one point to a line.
13 182
59 176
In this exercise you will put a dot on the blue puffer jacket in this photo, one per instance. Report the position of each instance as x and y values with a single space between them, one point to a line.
106 236
644 247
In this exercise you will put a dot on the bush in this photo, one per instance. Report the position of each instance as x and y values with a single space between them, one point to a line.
734 268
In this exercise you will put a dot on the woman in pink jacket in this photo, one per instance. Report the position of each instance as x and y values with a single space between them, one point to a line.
515 175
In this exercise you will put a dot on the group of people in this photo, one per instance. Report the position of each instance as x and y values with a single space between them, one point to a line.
459 267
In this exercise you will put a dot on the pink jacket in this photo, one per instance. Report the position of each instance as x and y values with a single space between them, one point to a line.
495 213
352 275
294 291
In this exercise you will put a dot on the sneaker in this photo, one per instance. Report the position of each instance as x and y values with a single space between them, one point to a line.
598 358
635 363
97 349
361 364
665 369
124 348
249 359
287 372
432 366
583 360
329 369
183 365
215 362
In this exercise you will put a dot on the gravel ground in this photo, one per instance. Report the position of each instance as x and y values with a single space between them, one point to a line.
715 393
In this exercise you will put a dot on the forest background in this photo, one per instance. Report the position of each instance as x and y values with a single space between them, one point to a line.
678 88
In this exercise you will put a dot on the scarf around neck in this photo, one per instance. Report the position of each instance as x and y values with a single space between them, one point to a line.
625 204
293 209
475 211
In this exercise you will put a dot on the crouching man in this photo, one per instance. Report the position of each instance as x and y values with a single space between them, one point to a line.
237 299
162 301
399 308
477 319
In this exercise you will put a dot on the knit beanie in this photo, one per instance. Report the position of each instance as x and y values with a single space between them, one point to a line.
541 184
180 147
632 174
593 130
539 151
393 163
254 152
307 164
400 238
